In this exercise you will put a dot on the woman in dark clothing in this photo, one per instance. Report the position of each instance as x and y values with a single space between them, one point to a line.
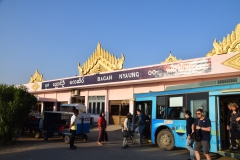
234 126
101 126
228 123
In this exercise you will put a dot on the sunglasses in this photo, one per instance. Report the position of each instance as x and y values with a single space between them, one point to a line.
198 113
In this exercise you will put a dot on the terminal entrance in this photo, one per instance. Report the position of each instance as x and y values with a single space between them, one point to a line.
118 111
224 133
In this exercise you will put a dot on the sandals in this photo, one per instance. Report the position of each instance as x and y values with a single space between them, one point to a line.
99 143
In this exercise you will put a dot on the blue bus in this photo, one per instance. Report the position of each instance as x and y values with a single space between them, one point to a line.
166 110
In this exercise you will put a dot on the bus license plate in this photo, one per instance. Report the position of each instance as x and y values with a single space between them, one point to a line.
168 122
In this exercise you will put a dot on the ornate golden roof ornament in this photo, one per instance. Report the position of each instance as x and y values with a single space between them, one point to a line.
231 43
101 61
233 62
37 77
170 59
35 86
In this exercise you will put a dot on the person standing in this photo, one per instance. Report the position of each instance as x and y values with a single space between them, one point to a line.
126 128
234 126
189 142
228 123
102 127
202 125
141 124
73 128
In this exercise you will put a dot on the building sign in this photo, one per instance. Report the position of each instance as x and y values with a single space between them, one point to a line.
192 67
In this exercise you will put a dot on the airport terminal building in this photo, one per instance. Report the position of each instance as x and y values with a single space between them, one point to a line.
103 84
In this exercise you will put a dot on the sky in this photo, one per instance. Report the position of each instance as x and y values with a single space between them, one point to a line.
54 35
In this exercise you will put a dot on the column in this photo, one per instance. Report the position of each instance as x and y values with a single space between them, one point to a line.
131 101
86 101
70 100
42 109
106 105
55 106
134 113
131 106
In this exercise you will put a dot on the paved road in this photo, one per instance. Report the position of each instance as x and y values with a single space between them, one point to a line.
28 148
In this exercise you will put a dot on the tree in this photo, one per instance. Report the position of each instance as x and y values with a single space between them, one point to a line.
15 105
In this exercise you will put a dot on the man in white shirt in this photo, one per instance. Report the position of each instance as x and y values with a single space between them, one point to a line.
73 129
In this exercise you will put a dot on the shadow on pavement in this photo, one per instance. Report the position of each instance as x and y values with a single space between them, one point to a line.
29 148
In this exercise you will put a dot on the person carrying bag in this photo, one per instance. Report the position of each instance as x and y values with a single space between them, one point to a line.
202 129
126 129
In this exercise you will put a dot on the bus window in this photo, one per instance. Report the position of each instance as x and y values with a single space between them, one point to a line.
176 112
161 108
176 109
145 107
198 101
198 104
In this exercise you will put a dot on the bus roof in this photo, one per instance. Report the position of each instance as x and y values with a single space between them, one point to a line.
190 90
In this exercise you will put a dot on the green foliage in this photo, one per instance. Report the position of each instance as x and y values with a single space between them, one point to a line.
15 105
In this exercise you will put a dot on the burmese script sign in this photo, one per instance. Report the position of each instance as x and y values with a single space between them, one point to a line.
192 67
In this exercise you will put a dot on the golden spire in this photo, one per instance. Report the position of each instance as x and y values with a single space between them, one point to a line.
37 77
170 59
100 61
228 45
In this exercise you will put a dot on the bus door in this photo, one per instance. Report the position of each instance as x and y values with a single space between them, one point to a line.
218 115
218 111
146 108
222 103
214 116
201 101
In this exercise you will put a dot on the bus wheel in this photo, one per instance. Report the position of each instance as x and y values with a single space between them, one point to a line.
165 140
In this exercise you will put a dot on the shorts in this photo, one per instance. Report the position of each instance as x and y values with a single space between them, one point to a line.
202 144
